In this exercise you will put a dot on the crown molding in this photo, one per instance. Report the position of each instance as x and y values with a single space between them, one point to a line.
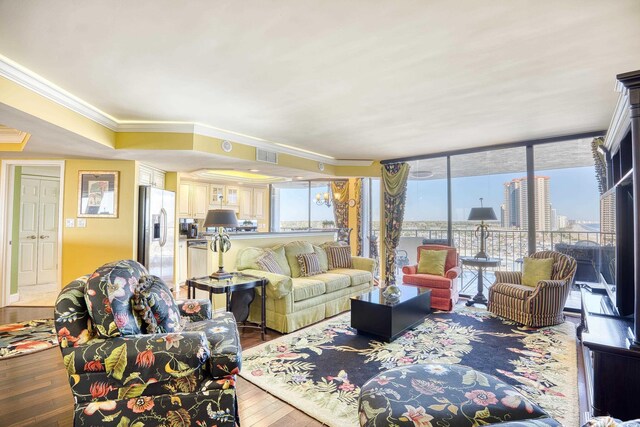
43 87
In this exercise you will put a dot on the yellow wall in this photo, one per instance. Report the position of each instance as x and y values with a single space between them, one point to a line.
103 239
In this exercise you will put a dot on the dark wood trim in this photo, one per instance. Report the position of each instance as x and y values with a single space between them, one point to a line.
632 82
561 138
449 204
531 201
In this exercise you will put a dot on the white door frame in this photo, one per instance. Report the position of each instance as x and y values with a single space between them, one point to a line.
6 220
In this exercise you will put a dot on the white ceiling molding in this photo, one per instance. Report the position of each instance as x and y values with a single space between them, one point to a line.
41 86
38 84
11 136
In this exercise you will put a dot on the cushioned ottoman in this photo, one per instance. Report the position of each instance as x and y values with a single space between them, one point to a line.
444 395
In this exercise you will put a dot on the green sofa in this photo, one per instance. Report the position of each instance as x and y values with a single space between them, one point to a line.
293 301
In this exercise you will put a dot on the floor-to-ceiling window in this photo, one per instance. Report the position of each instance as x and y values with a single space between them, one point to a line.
290 206
321 205
567 204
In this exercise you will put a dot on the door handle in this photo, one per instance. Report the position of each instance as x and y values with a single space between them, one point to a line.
42 236
32 237
163 225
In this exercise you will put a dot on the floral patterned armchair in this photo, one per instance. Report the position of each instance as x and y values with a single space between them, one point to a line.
136 357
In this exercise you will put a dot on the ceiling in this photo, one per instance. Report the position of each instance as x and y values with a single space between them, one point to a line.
351 80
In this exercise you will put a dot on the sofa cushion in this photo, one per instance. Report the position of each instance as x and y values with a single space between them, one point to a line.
535 270
247 258
153 303
357 277
108 295
292 250
307 287
427 280
280 256
333 281
339 257
268 262
512 290
309 264
432 262
322 257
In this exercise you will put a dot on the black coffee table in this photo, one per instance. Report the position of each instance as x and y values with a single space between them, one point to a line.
372 314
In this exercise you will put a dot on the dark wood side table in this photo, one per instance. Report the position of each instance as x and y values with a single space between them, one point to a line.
480 264
238 284
373 314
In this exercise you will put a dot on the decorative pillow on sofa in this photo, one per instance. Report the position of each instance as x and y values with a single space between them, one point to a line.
535 269
309 264
432 262
154 304
339 257
108 294
268 262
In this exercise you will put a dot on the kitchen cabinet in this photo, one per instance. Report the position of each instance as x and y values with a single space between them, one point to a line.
148 175
216 195
260 203
199 200
232 195
245 204
184 200
193 201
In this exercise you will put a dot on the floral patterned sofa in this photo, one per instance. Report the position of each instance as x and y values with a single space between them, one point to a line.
133 361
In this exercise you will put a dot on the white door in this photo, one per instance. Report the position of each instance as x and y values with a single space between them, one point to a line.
48 232
246 203
38 233
28 232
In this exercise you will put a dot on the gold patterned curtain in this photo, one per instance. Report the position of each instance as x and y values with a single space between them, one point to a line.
340 197
394 179
358 198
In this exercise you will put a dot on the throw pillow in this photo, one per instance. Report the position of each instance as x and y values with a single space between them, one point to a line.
154 304
268 262
432 262
535 269
339 257
309 264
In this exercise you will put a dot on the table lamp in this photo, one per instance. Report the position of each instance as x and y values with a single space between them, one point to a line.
221 243
482 214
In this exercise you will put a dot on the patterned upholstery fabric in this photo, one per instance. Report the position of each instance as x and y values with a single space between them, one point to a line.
181 378
309 264
108 296
153 303
539 306
445 290
267 262
339 257
444 395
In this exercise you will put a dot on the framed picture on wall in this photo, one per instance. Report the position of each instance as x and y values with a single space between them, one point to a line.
98 194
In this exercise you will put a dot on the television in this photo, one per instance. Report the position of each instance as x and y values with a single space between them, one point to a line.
616 257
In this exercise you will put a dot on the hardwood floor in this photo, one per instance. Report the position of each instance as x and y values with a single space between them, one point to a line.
34 390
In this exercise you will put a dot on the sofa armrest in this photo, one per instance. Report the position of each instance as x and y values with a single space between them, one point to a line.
195 309
551 283
146 357
362 263
453 273
514 277
279 285
410 269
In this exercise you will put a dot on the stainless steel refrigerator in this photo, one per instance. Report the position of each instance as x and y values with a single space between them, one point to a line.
156 231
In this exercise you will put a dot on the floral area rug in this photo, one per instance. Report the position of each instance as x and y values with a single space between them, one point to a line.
21 338
320 369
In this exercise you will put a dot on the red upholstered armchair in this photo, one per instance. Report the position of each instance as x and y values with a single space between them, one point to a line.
444 290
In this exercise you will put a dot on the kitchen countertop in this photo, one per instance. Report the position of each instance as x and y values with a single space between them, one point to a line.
237 235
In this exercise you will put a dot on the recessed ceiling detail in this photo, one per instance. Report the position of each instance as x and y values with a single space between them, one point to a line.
237 176
12 139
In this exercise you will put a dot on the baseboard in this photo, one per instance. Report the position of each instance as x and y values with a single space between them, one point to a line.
14 298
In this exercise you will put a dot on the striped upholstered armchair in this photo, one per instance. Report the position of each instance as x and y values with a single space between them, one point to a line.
534 306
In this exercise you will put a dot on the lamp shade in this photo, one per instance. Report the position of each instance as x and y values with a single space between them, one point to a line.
480 214
221 218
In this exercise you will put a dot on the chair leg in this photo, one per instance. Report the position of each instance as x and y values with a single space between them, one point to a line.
236 410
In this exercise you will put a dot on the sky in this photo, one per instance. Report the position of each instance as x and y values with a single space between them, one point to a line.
574 193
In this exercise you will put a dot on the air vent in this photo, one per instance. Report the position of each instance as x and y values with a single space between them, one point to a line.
266 156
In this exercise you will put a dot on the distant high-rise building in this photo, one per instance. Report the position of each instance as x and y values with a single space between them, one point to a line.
515 203
608 214
563 222
554 219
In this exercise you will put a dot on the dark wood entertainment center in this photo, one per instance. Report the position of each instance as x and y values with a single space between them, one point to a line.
610 329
